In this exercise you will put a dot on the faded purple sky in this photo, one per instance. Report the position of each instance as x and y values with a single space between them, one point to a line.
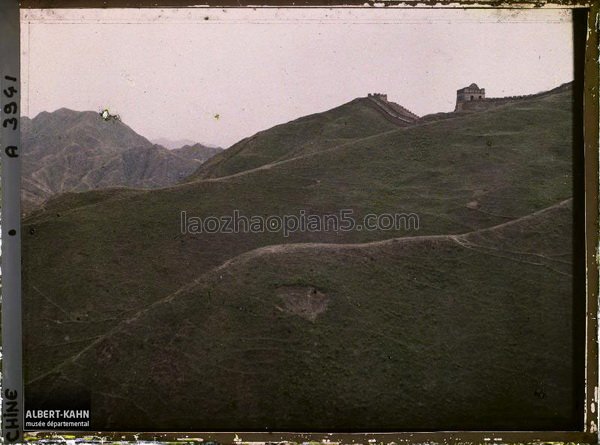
167 73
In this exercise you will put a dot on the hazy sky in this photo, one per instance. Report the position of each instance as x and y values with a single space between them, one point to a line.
168 73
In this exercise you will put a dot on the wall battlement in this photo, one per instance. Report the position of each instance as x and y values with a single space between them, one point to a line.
391 110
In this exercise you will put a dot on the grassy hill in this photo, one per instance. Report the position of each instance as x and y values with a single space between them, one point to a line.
343 326
329 337
308 134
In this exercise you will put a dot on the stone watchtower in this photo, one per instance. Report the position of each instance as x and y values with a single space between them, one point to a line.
383 97
467 94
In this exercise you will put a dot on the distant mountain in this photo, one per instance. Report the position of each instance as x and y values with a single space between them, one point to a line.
172 143
70 150
197 152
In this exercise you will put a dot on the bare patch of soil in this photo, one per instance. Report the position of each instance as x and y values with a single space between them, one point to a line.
304 301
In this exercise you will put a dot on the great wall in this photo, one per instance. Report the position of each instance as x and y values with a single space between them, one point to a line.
391 110
463 104
468 99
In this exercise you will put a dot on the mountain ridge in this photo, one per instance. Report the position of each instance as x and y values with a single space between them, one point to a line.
328 128
67 150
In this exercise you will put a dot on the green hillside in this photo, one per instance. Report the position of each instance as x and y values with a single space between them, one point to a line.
121 299
308 134
329 337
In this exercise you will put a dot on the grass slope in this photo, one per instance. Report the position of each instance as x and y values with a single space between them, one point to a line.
329 337
305 135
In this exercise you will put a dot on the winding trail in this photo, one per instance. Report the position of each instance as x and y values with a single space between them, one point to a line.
461 240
